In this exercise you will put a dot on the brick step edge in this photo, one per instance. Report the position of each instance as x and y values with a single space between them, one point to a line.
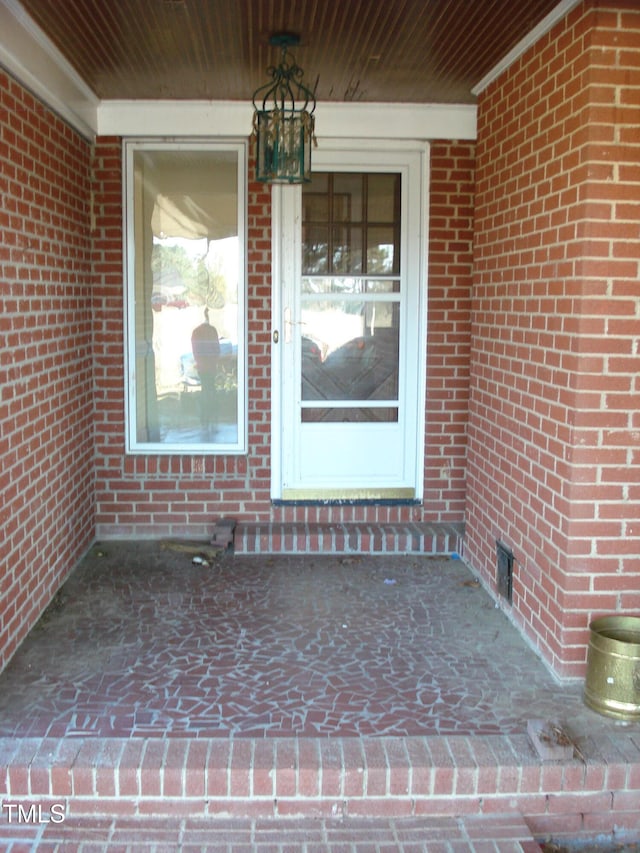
572 822
299 538
508 833
325 777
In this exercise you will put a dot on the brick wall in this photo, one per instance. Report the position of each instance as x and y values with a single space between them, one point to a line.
176 495
452 187
182 495
554 449
46 406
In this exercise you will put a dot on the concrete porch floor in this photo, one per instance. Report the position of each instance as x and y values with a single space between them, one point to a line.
344 702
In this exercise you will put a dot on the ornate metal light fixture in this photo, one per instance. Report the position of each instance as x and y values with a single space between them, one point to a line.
283 120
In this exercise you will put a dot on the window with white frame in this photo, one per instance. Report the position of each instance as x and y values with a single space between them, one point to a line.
185 229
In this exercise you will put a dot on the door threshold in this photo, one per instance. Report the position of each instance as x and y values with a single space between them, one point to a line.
347 496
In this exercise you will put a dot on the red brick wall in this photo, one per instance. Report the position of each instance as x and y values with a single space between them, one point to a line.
176 495
182 495
46 405
554 449
452 187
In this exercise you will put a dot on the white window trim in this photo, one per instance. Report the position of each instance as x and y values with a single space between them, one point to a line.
132 446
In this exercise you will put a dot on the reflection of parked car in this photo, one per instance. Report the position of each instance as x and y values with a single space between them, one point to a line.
160 301
177 302
157 301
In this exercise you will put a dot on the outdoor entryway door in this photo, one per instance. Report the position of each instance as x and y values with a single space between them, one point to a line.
349 327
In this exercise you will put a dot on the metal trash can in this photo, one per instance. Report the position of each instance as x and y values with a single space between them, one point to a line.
612 684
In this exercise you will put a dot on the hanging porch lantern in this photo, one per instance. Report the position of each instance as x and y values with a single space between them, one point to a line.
283 120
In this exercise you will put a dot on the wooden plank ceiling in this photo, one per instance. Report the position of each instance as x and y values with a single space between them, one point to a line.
412 51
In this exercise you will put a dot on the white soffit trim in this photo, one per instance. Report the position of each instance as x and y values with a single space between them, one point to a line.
175 118
27 54
338 120
563 8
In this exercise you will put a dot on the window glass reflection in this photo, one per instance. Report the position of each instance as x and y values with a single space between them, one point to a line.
185 275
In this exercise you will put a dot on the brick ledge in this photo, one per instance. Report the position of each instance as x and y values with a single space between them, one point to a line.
330 777
349 538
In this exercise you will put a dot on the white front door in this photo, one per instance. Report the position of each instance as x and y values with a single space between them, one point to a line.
349 327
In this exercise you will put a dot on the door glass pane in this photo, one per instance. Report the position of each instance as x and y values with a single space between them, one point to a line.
381 250
350 350
316 207
347 250
347 284
386 414
186 287
350 318
315 249
351 224
382 198
347 197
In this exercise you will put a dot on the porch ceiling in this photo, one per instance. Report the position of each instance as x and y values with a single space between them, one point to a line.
408 51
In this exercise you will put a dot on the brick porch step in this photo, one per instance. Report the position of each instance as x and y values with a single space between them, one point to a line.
478 780
497 833
301 538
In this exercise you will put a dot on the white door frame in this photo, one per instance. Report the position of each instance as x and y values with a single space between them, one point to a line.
286 211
